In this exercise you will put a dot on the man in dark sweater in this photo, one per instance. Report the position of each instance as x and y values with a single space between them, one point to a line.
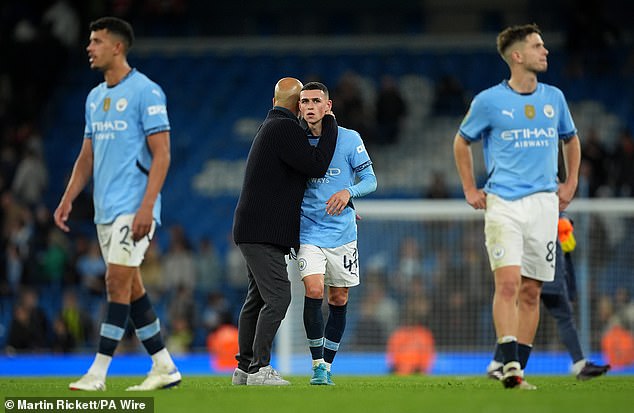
266 224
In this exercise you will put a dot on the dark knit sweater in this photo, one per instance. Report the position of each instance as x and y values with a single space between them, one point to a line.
280 161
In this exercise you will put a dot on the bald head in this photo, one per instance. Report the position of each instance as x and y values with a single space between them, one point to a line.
287 93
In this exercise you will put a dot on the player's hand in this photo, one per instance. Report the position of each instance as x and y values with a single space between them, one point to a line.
477 198
566 192
337 202
142 223
61 215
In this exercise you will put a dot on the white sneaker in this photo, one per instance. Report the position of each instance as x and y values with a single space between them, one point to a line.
239 377
158 378
89 382
524 385
266 376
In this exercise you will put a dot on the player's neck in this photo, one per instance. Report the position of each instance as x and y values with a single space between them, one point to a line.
315 128
115 74
525 82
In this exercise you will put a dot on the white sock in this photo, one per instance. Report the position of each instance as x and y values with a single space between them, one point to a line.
576 368
163 358
494 365
100 365
328 365
507 339
318 362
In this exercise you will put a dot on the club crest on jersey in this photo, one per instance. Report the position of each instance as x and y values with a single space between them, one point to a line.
121 104
549 111
498 252
529 111
106 104
302 264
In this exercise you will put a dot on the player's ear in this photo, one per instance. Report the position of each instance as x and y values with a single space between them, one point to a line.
516 56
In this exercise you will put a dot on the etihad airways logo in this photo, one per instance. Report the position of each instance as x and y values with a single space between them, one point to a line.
528 133
111 125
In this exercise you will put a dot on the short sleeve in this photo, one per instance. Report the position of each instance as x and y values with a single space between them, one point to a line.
566 126
153 110
476 121
88 108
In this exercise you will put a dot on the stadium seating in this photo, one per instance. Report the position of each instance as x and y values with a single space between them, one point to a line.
217 100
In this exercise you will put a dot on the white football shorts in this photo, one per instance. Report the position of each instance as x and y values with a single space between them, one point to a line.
340 265
523 232
116 243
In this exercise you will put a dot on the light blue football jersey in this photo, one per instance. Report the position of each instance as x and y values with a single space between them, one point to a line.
316 226
118 120
520 137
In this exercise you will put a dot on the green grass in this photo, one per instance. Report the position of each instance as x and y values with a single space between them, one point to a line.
365 394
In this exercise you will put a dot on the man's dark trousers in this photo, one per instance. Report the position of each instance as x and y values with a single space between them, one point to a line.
268 298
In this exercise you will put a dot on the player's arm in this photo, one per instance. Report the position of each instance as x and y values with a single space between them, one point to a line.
572 160
159 145
339 201
313 161
464 163
82 172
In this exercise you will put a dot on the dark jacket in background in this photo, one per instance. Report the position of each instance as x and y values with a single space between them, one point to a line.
280 161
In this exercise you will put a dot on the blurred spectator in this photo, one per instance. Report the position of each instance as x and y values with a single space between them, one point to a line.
179 268
617 343
209 271
19 229
594 155
152 271
236 268
450 98
215 312
409 265
53 261
8 164
349 106
183 306
63 23
29 328
623 163
39 239
76 321
410 349
378 316
222 345
390 111
92 273
63 341
458 323
31 176
92 269
180 337
437 188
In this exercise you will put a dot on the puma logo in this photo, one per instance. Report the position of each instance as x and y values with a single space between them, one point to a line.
509 113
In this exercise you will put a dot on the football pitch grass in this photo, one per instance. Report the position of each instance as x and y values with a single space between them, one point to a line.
360 394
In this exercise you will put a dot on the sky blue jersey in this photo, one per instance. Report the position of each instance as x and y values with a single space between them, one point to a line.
520 137
316 226
118 120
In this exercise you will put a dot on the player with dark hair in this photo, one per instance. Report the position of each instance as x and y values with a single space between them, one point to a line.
126 150
328 252
520 122
557 296
266 225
